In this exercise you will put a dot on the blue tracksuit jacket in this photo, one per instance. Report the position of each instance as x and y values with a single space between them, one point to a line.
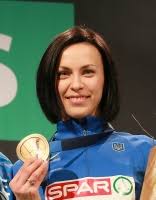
5 177
89 160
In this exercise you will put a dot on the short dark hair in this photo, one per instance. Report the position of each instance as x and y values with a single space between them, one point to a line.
46 86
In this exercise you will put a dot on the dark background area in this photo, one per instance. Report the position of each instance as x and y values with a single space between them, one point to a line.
129 27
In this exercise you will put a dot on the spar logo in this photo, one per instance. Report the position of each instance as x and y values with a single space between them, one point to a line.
114 187
79 188
123 185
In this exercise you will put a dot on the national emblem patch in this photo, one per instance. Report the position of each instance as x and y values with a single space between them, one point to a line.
118 146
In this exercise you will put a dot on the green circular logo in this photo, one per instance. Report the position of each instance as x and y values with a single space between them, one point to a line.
123 185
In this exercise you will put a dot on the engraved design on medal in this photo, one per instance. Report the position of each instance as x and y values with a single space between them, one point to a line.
34 145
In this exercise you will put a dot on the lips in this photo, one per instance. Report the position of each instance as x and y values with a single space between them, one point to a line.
77 99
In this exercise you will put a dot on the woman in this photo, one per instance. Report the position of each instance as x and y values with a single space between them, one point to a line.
77 89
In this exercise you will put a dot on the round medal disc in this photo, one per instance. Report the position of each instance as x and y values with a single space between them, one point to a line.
33 146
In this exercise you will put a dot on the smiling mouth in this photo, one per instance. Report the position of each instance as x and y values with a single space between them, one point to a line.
77 99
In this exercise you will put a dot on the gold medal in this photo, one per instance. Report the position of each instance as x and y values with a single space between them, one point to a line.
33 146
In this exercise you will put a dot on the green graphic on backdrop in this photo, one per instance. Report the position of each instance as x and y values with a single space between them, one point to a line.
26 28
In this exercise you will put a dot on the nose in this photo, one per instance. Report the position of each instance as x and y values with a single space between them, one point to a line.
76 83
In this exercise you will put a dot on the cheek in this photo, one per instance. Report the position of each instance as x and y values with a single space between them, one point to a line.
100 83
59 93
98 90
96 85
61 88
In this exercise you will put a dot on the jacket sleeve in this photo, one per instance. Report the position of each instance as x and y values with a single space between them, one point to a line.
5 177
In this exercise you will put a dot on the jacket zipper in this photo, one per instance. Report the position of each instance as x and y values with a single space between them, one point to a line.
84 132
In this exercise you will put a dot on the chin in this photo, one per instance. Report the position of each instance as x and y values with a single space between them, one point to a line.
80 115
77 115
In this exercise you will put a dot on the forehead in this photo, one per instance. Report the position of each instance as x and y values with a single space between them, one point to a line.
81 53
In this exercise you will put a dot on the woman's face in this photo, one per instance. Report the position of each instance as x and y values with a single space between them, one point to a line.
81 80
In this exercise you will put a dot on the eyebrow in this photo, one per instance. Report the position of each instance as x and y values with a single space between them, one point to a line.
83 67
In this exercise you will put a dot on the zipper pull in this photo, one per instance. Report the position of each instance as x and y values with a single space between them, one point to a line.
84 132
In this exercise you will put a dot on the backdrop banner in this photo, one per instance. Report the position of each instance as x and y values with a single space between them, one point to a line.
26 29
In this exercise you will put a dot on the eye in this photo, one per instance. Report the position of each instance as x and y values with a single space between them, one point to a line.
88 72
63 74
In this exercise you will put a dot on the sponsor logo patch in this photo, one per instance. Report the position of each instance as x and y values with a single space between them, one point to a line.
89 188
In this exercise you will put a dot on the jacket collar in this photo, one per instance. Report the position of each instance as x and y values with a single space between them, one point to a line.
74 128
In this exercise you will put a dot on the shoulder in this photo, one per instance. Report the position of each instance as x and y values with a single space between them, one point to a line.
138 146
4 159
5 166
136 141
